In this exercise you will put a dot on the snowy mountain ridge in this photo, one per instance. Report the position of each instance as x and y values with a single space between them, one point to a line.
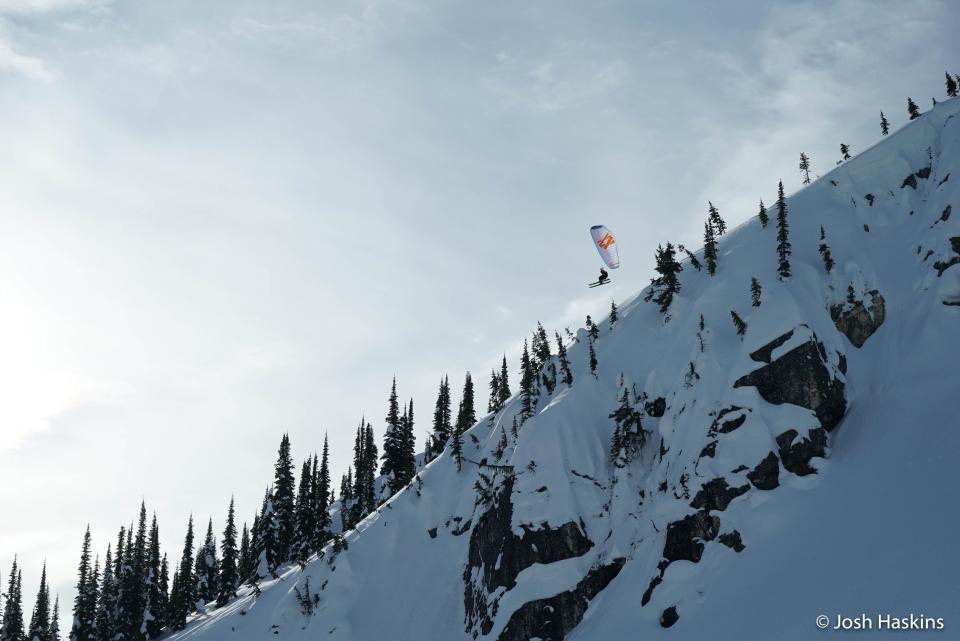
790 472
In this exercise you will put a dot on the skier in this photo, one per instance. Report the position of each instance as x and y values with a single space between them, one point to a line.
606 245
603 276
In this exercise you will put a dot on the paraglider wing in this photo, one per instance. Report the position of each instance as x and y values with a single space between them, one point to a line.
606 244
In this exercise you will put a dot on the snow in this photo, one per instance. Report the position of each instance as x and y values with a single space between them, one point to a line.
873 531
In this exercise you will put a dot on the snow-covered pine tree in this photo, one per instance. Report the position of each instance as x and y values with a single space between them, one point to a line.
912 109
368 489
408 451
825 251
783 236
614 313
244 562
321 496
228 580
55 621
441 419
710 248
121 578
135 577
593 359
304 515
153 601
106 605
207 568
628 437
884 125
283 500
805 168
11 627
755 291
392 443
844 151
456 443
593 330
504 383
527 378
84 612
467 414
951 86
691 257
268 557
762 215
183 598
39 629
739 323
719 226
346 500
162 608
493 399
566 374
540 347
667 283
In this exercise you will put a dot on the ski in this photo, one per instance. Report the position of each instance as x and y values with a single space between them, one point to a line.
591 285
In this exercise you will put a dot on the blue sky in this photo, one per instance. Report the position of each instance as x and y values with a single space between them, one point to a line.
221 221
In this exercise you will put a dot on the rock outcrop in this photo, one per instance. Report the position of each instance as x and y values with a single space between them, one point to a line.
552 618
857 321
801 377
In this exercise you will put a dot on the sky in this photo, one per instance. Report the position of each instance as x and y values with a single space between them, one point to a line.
223 221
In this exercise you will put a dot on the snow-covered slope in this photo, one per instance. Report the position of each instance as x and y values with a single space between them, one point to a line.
795 474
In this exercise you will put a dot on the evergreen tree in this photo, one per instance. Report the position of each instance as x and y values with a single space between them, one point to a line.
564 363
55 620
85 611
228 580
593 359
755 292
368 476
467 415
739 323
154 602
805 168
183 598
884 125
719 226
121 579
441 418
540 347
393 444
283 502
783 241
162 608
321 499
912 109
106 606
951 86
456 444
304 516
593 331
764 218
844 152
504 383
245 564
614 313
207 568
628 433
527 377
667 283
346 500
494 398
825 251
40 621
12 627
408 452
710 248
132 594
693 259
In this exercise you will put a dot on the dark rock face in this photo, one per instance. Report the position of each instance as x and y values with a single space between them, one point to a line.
685 537
955 244
493 539
710 449
716 495
909 181
726 426
766 475
552 618
656 408
796 454
799 377
945 216
733 541
858 322
669 617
